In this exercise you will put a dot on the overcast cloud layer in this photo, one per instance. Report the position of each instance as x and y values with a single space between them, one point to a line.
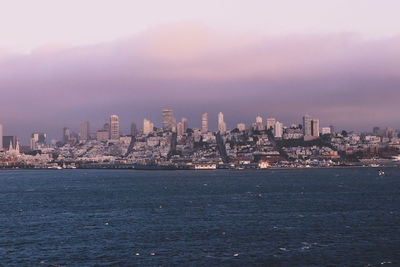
343 79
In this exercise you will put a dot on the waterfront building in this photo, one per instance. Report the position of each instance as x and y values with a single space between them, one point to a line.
221 123
204 122
114 127
270 123
85 131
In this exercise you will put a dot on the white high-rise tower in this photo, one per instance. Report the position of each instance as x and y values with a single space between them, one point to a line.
114 127
204 122
221 123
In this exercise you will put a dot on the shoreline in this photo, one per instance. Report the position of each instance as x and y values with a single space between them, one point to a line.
217 169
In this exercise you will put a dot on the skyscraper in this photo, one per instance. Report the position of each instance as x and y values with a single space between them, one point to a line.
278 130
307 126
315 128
37 139
133 129
221 123
310 128
259 123
66 135
204 122
147 127
168 120
179 129
184 124
270 123
1 137
85 130
114 127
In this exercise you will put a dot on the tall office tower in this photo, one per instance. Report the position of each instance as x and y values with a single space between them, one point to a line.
221 123
1 137
133 129
270 123
241 126
315 128
114 127
179 129
204 122
307 126
184 124
66 135
168 120
259 123
147 127
278 130
85 130
37 139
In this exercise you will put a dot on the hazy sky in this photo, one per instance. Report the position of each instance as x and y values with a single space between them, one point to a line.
62 62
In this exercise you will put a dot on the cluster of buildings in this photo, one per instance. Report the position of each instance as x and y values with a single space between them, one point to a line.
262 144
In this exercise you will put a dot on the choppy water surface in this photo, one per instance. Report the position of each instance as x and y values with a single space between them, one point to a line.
241 218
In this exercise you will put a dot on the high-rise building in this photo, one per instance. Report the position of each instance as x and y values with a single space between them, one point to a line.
85 130
259 123
168 120
148 127
310 127
204 122
66 135
241 126
114 127
184 124
37 139
1 137
133 129
315 128
270 123
307 126
278 130
179 129
221 123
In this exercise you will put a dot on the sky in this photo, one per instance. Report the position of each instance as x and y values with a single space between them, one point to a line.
64 62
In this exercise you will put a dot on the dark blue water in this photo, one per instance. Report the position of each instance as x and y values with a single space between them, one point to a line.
334 217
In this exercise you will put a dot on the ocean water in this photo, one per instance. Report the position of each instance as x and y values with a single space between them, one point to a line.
321 217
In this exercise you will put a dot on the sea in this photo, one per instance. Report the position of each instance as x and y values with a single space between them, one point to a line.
308 217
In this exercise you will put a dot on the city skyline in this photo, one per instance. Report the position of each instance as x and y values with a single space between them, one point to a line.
111 129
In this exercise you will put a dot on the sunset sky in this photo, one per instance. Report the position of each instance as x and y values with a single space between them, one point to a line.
64 62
